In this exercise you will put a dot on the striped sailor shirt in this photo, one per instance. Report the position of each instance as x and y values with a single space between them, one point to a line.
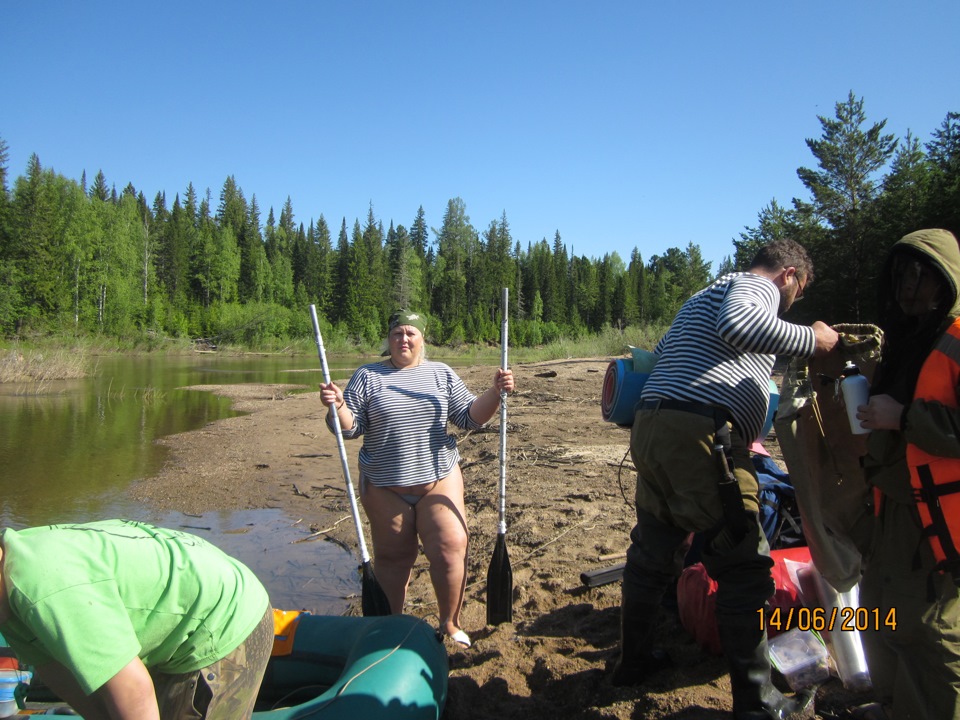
402 415
721 347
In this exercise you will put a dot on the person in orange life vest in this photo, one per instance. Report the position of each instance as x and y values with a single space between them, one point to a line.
913 650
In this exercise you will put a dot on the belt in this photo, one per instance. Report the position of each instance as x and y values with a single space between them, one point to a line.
715 412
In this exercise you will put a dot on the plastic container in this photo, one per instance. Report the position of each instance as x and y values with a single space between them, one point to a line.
846 646
801 657
856 392
9 680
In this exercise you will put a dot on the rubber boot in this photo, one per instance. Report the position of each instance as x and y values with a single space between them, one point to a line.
754 695
638 659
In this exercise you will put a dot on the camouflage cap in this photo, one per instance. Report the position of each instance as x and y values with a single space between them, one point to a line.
406 317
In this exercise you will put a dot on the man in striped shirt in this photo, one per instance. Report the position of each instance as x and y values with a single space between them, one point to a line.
710 387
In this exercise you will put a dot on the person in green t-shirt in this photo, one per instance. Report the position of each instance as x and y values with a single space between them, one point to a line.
126 620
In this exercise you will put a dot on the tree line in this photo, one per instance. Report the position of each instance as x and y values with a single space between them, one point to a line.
82 258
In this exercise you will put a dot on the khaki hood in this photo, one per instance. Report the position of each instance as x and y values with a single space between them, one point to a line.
939 247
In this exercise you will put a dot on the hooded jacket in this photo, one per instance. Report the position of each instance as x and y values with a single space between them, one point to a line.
931 426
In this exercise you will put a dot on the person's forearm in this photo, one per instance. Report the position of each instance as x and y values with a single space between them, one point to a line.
485 406
344 414
62 682
130 695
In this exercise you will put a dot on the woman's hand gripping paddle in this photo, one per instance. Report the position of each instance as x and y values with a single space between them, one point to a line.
373 601
500 574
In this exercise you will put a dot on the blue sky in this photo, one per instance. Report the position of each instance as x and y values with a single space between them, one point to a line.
618 124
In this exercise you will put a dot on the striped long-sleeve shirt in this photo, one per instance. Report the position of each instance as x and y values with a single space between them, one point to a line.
721 349
402 415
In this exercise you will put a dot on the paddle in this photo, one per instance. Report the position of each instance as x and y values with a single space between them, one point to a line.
500 574
373 601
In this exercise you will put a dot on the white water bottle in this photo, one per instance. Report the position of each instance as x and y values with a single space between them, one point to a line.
856 392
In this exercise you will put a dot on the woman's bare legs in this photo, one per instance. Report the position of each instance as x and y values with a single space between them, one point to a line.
442 525
393 529
440 520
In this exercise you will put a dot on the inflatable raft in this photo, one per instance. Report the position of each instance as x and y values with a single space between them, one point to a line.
331 667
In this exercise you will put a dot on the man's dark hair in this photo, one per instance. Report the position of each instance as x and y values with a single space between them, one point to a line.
782 254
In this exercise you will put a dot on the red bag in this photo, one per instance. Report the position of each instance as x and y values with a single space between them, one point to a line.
697 597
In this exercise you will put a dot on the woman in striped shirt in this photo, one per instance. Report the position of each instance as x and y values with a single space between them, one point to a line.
410 481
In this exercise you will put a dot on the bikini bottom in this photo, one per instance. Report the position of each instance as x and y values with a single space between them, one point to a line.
411 500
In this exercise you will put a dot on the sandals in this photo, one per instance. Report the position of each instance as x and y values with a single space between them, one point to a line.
463 640
459 637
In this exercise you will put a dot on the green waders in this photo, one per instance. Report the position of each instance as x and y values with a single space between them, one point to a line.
677 494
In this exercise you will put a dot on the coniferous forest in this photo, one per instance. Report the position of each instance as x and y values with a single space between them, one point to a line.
80 257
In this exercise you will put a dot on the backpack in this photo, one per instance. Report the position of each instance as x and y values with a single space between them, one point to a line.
697 597
779 514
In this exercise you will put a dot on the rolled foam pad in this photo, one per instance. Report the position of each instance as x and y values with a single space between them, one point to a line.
621 391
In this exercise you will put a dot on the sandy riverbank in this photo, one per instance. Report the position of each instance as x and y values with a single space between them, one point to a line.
567 513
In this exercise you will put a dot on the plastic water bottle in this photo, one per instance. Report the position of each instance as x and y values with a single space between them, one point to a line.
9 679
856 392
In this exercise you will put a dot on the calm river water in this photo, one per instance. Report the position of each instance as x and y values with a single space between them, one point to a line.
69 451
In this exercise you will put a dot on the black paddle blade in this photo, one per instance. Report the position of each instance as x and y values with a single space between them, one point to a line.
500 585
373 601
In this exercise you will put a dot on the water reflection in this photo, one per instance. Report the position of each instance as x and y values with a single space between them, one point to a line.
69 451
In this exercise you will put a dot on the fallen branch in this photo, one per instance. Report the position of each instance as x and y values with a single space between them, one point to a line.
314 534
554 539
611 556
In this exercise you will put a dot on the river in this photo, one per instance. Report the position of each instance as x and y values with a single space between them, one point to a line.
70 449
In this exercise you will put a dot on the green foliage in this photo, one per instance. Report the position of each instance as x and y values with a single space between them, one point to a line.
11 302
89 263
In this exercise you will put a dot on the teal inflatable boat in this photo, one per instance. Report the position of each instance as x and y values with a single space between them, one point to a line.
354 668
341 668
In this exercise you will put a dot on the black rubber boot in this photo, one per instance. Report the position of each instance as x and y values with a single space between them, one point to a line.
638 659
754 695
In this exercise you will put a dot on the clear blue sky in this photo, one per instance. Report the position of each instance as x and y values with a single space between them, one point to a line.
618 124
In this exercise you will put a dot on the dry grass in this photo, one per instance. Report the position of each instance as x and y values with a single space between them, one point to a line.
41 366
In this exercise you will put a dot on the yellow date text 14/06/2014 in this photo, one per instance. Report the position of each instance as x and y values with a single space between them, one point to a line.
843 619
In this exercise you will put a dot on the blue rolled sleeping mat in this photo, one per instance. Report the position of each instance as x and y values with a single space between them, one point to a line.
621 391
622 386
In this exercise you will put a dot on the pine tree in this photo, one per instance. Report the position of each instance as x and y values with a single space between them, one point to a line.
4 159
944 153
419 235
849 160
10 300
321 267
378 291
453 243
99 189
341 278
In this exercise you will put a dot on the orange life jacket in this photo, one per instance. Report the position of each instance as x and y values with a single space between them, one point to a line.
936 480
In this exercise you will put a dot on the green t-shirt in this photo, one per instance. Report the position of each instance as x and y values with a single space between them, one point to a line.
96 595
